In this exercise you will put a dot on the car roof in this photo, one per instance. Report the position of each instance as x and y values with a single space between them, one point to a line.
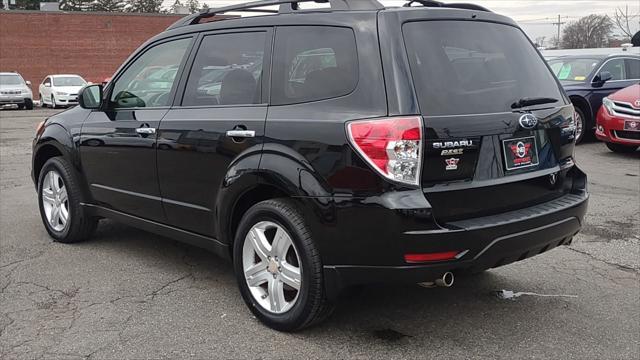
64 75
594 56
290 7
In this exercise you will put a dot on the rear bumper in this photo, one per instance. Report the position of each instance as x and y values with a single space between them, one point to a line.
486 242
611 129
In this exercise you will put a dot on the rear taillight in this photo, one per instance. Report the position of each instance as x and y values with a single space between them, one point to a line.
393 146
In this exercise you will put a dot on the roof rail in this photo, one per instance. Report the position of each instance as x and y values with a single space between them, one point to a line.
434 3
286 6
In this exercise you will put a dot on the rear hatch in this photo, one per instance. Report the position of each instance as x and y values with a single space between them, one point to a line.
498 129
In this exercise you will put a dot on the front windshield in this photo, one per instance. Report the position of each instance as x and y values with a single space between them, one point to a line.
573 69
68 81
10 80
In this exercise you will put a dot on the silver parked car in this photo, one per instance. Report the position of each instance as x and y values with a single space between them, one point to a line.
14 90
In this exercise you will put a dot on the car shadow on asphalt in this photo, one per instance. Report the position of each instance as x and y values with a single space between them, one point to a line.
388 313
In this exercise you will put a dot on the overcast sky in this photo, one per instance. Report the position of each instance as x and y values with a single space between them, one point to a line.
535 16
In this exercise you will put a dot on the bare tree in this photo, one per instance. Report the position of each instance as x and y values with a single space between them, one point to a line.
540 41
591 31
622 19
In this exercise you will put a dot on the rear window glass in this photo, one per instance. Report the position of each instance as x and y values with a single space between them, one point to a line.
464 67
313 63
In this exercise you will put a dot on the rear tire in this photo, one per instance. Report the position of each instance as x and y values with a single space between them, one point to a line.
619 148
265 222
20 106
581 124
59 199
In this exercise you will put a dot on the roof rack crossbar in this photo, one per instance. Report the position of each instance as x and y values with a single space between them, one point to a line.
434 3
285 6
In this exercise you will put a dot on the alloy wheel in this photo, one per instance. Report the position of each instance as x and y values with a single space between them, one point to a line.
579 126
272 267
55 201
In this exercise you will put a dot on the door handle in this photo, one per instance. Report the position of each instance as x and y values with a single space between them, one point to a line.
146 131
241 133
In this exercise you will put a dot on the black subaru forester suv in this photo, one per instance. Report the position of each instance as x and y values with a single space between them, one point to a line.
320 148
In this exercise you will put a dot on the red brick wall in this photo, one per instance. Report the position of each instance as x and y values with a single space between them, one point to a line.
92 45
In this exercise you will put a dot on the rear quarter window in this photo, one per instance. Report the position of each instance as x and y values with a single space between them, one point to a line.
313 63
465 67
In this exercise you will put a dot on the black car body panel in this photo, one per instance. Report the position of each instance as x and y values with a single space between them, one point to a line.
191 180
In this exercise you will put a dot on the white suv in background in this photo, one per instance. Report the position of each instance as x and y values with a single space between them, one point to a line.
60 90
14 90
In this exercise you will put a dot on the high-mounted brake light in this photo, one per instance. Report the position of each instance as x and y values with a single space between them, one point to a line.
392 146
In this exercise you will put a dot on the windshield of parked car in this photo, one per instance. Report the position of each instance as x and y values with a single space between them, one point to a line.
470 67
574 69
68 81
10 79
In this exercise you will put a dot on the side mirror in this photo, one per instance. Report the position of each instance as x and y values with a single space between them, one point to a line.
28 83
90 97
47 84
602 78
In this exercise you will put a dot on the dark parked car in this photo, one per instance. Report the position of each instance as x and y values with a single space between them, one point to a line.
374 145
588 79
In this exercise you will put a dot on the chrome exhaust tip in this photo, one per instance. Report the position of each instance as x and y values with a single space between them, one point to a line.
445 281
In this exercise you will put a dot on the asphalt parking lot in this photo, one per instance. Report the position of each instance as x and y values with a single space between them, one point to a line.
127 294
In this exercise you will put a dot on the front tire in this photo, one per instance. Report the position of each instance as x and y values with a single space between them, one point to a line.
42 104
278 267
29 104
619 148
59 199
53 102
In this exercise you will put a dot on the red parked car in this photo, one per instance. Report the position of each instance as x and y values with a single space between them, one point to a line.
618 122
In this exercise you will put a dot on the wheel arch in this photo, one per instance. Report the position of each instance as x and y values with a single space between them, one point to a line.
584 106
56 141
276 174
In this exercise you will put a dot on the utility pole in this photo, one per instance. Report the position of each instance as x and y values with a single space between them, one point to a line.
559 23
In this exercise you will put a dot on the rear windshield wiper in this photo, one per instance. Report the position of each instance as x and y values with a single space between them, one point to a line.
532 101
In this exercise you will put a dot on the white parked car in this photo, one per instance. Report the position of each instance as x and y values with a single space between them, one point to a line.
60 90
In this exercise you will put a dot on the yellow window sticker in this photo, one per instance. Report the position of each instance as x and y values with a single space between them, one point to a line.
579 78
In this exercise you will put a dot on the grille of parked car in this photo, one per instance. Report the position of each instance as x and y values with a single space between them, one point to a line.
10 92
632 135
623 108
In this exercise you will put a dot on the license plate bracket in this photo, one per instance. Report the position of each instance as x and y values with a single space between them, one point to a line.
632 125
520 153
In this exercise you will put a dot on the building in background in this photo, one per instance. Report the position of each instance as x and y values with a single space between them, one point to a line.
90 44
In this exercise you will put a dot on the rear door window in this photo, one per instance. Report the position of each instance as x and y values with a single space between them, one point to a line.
464 67
313 63
633 69
227 70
